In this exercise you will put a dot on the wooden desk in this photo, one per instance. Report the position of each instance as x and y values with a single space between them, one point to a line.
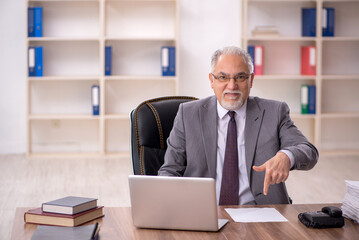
117 224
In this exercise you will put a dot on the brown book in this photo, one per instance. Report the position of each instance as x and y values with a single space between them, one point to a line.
37 216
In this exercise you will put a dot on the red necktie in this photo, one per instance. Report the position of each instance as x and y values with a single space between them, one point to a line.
230 178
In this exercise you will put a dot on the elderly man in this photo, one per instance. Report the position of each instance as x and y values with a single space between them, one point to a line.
248 144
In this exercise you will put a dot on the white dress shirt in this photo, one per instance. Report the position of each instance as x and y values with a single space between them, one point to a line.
245 194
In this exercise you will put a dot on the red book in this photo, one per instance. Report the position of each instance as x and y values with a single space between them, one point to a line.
308 60
37 216
258 60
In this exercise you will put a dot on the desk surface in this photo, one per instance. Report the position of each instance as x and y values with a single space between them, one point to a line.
117 224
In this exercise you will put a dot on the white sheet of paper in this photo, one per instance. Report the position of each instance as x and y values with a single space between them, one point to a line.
255 215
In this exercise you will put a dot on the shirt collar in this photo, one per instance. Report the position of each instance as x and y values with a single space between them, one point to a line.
239 112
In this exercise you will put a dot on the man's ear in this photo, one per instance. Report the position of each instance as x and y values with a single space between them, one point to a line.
211 80
252 78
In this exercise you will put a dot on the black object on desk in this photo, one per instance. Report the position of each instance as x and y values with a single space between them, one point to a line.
329 217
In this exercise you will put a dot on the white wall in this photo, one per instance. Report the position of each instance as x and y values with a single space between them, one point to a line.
205 25
13 76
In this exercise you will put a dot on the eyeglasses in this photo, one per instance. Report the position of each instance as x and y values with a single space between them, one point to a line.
241 77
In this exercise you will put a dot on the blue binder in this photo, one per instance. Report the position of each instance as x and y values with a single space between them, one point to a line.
31 62
95 98
108 60
168 61
328 22
251 53
38 61
30 22
309 22
38 21
311 99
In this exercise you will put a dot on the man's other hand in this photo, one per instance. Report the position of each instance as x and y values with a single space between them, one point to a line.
277 170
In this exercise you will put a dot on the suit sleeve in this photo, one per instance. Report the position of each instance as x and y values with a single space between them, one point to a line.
291 139
175 157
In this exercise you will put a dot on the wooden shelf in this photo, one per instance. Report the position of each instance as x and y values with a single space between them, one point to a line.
140 78
335 61
65 78
153 39
341 39
52 155
34 1
284 77
340 77
117 116
75 33
282 38
282 1
76 155
62 117
340 115
62 39
302 116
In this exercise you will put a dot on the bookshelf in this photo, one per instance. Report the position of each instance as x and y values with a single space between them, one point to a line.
60 121
335 126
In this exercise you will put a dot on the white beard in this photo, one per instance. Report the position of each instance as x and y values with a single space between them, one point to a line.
232 106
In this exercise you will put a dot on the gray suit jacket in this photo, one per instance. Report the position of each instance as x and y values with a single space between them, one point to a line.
192 144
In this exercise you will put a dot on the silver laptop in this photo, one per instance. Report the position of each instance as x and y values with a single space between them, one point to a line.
181 203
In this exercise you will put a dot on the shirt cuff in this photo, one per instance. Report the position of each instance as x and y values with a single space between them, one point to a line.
291 157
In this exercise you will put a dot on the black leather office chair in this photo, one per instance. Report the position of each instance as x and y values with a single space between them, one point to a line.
151 124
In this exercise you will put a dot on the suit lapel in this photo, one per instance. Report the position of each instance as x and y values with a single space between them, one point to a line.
253 124
208 119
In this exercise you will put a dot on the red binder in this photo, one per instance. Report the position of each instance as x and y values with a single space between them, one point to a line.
258 60
308 60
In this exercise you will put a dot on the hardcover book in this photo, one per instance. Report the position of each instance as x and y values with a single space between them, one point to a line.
69 205
37 216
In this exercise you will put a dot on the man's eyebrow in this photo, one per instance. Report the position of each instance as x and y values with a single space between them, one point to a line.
223 73
239 73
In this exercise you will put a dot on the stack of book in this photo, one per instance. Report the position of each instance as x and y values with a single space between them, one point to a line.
265 31
350 206
69 211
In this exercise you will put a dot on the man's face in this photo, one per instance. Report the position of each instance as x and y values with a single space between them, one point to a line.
231 81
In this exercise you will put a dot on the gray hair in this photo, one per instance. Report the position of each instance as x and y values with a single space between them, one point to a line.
232 50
